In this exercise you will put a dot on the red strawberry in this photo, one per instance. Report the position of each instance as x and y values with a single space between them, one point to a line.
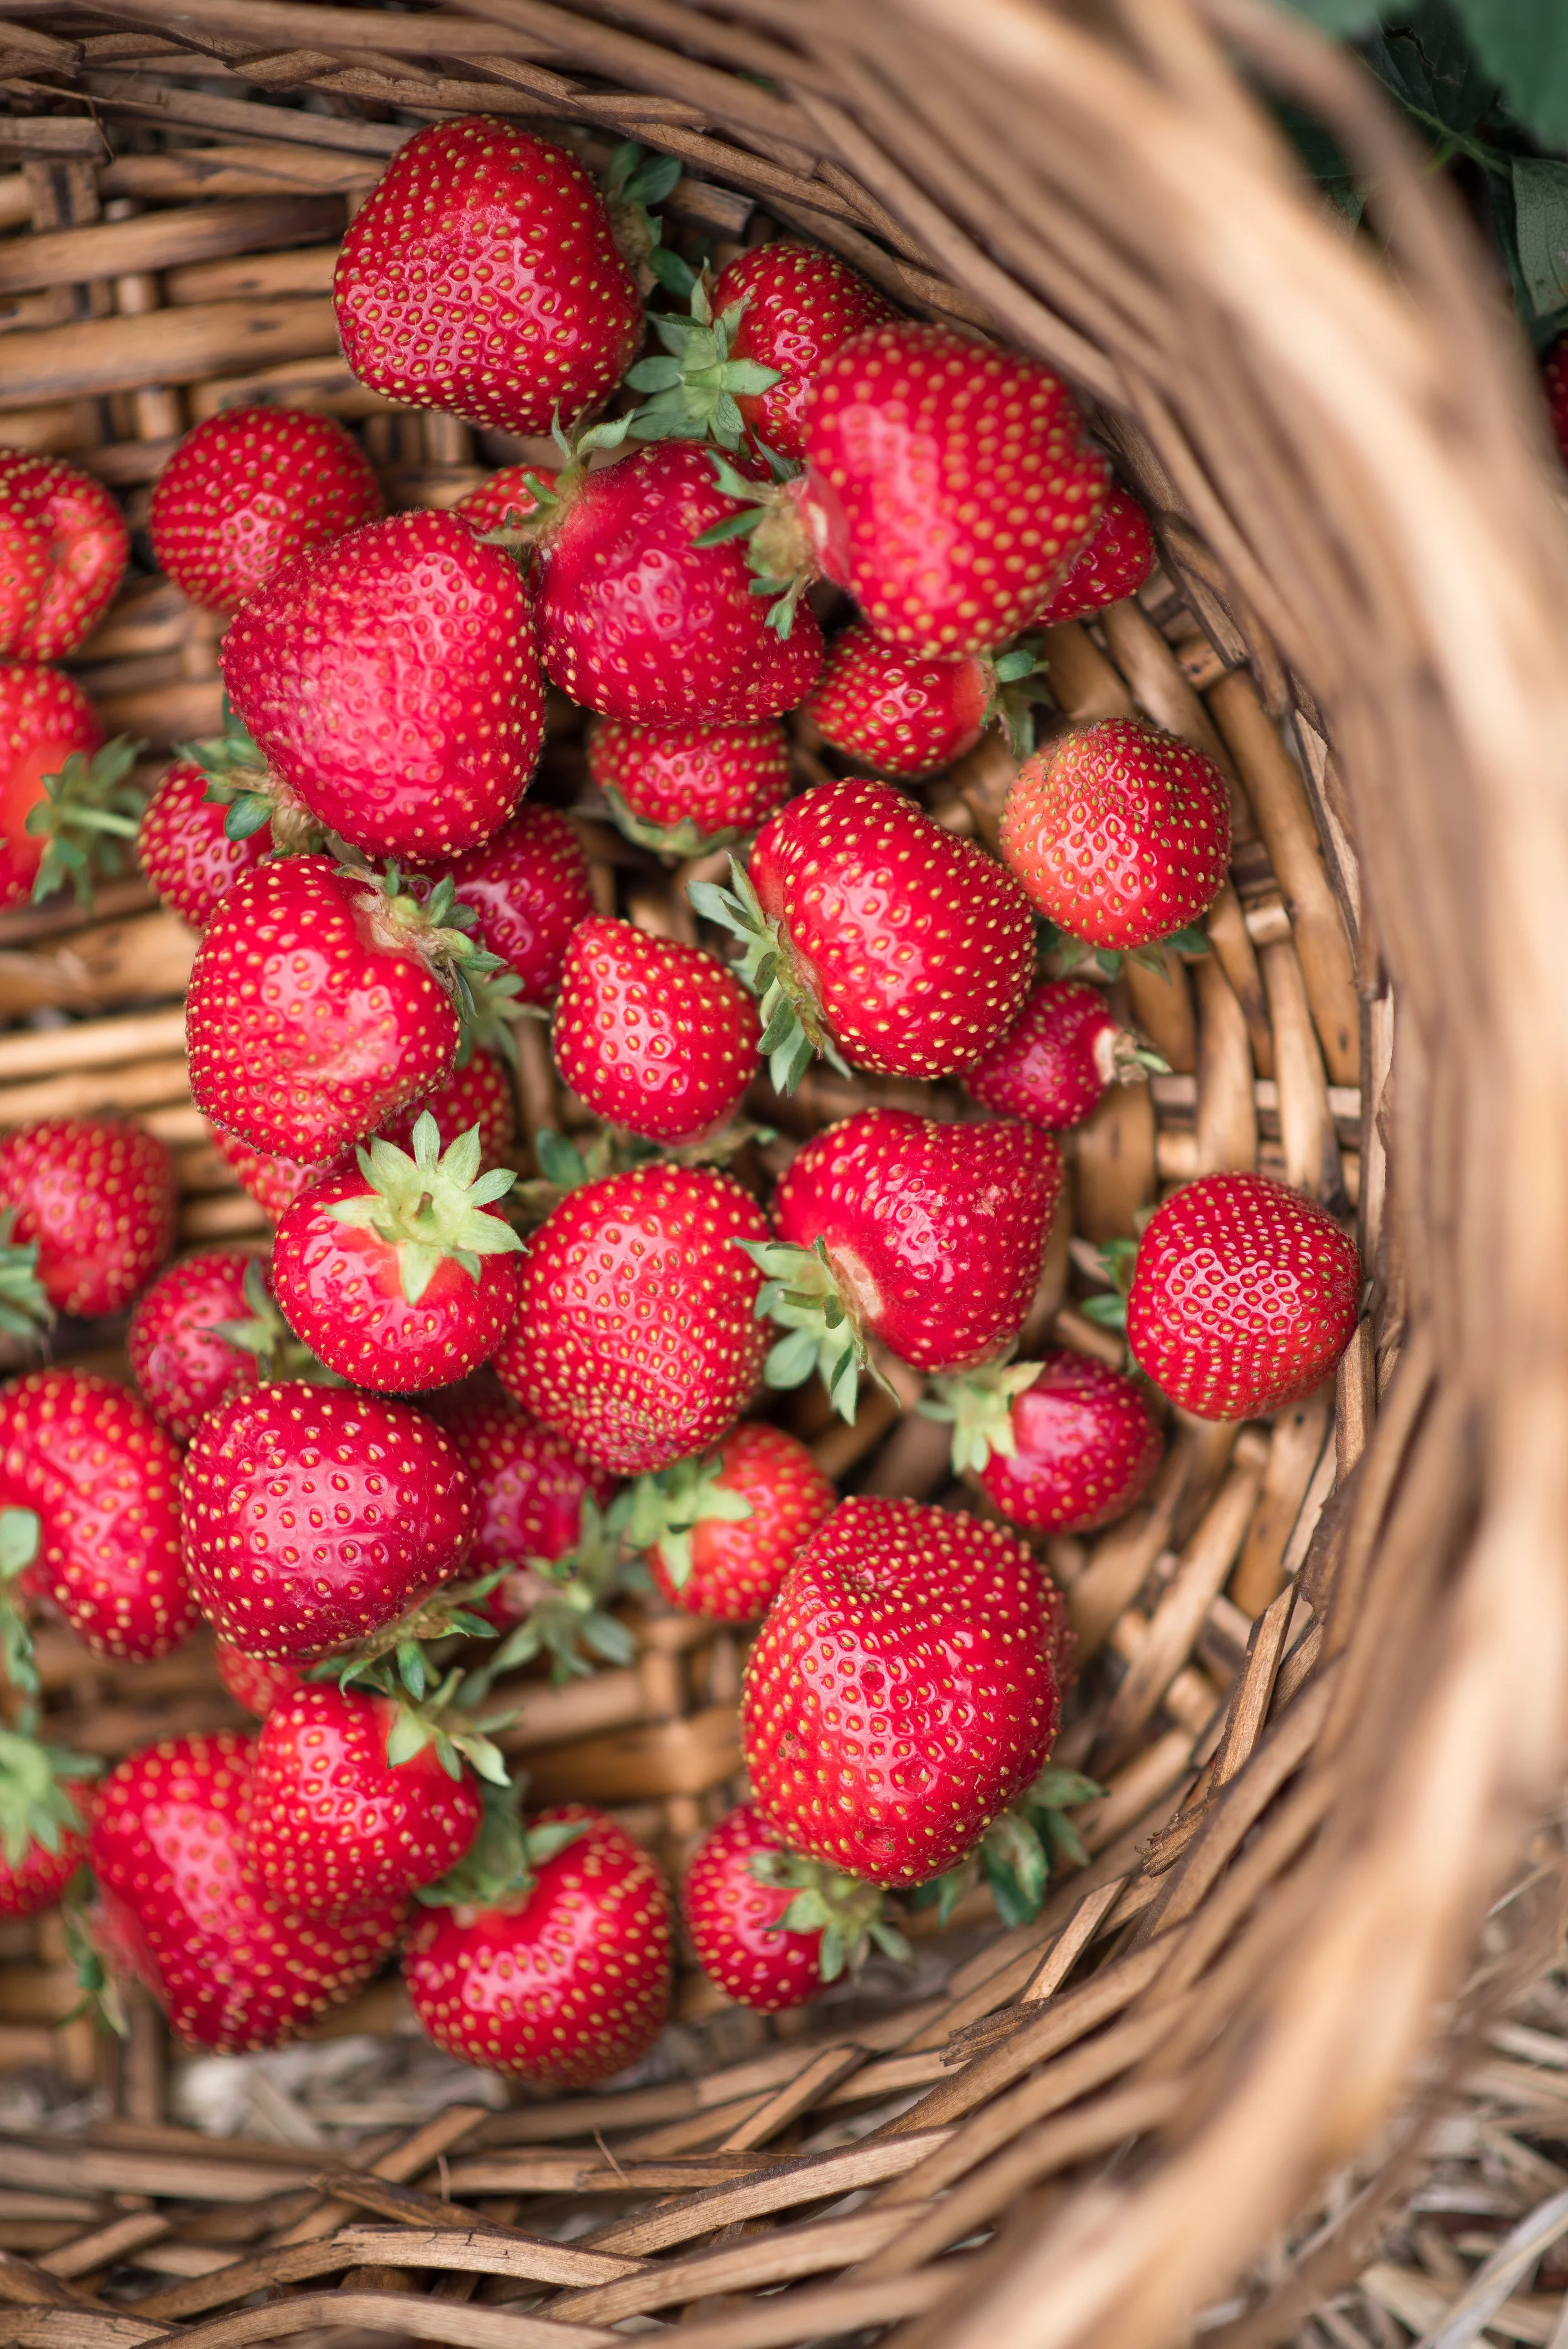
24 575
527 890
1054 1064
682 788
249 489
637 1339
38 1876
860 1753
1555 376
102 1479
565 1983
273 1181
531 1491
721 1533
65 803
42 1841
926 1238
185 851
772 1928
398 1278
96 1195
183 1363
254 1685
901 715
313 1517
801 305
391 679
231 1969
656 1037
1065 1445
1119 833
1244 1297
504 498
1117 560
87 545
871 931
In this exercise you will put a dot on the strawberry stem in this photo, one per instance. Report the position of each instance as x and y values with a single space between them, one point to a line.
430 1208
792 1025
849 1914
239 779
695 383
980 1405
568 1618
802 1293
668 1507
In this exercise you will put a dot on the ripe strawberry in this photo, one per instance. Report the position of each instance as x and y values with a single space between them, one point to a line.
564 1983
391 679
101 1480
85 545
773 1928
656 1037
1115 562
65 803
249 489
871 931
901 715
254 1685
206 1328
1244 1297
1054 1064
721 1533
527 889
1555 377
96 1197
313 1517
1119 833
42 1840
24 575
532 1489
1065 1445
679 788
505 498
231 1969
801 305
636 1338
860 1753
926 1238
183 848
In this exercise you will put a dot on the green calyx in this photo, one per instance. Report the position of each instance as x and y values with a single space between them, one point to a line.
1019 1852
25 1306
635 181
668 1508
86 809
792 1024
1114 1262
266 1336
980 1405
36 1804
431 1206
676 840
695 382
849 1915
1069 952
519 537
501 1864
801 1292
777 548
240 780
569 1597
21 1540
437 927
400 1656
1018 684
457 1735
563 1167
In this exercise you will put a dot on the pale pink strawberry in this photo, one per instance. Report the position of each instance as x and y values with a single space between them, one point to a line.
656 1037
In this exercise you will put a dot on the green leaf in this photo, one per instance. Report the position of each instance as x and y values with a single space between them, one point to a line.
1540 218
1107 1312
1523 43
20 1534
1343 18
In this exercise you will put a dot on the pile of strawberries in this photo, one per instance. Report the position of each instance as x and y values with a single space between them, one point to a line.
450 1419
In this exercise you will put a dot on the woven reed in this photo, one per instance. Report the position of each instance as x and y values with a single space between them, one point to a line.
1333 1714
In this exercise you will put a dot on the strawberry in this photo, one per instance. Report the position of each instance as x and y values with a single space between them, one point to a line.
391 680
527 889
721 1533
249 489
42 1834
86 545
1064 1445
862 1754
921 1237
1555 380
1119 833
24 575
231 1969
313 1517
99 1479
533 1493
696 382
772 1928
1054 1064
636 1338
680 788
1115 562
873 933
207 1327
65 803
1243 1297
253 1685
901 715
96 1197
563 1983
397 1278
801 304
505 498
656 1037
184 849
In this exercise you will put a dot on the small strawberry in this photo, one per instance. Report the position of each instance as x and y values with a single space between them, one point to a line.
860 1753
255 1686
680 788
41 1826
1244 1297
231 1969
1115 562
314 1517
772 1928
24 575
901 715
65 803
1119 833
656 1037
798 305
249 489
184 849
721 1533
206 1328
527 889
1064 1445
96 1197
85 543
873 933
505 498
1054 1065
564 1983
533 1499
925 1238
636 1338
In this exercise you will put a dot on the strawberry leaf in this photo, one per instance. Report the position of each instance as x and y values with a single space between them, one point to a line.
430 1207
92 798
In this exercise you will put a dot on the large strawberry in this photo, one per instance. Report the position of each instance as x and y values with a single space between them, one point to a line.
42 1821
872 933
722 1533
65 803
85 543
96 1196
1245 1296
903 1691
636 1338
798 305
206 1327
773 1928
248 490
679 788
1115 562
527 889
184 848
1054 1064
656 1037
1064 1445
231 1969
313 1517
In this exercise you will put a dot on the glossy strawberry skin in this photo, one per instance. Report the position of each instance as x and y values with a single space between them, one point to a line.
43 717
184 850
733 1920
331 1827
39 1879
901 715
904 1688
934 1232
636 1338
306 1030
104 1479
802 306
313 1517
917 947
639 623
97 1194
1052 1066
231 1969
255 1686
183 1366
718 778
24 575
249 489
1114 563
1088 1447
656 1037
531 1486
503 497
1243 1297
86 541
1120 834
738 1564
528 889
392 680
565 1986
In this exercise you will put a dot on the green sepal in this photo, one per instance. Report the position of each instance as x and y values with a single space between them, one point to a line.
437 927
397 1660
568 1620
695 382
673 840
667 1507
980 1405
266 1336
635 181
456 1735
430 1207
21 1539
849 1914
36 1805
1072 952
100 1993
801 1292
792 1024
1116 1262
240 780
499 1864
25 1306
1019 680
88 807
1107 1312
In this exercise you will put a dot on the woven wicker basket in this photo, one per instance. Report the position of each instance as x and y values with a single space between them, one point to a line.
1329 1696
